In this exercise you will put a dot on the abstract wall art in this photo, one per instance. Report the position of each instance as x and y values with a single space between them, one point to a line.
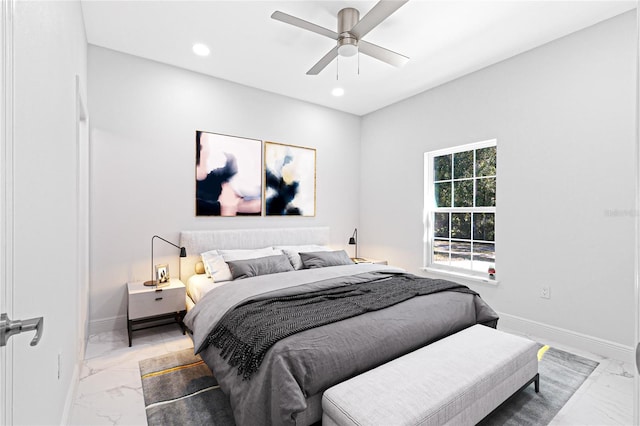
290 180
228 175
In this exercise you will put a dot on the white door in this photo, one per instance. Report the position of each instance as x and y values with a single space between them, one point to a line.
43 207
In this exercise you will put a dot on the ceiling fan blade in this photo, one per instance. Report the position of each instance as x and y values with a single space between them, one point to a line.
381 11
322 63
385 55
305 25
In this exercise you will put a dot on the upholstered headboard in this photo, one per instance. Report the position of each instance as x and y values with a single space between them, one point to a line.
197 242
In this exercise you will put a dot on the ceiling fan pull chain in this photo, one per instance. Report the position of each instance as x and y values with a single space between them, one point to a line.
337 68
358 62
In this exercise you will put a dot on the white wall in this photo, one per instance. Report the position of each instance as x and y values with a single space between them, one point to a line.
564 117
143 121
49 51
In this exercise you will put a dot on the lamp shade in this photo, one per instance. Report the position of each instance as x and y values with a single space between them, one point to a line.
354 240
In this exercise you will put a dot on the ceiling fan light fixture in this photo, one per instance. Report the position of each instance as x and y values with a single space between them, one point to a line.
201 49
348 47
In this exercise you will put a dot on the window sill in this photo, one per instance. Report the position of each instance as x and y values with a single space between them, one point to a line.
459 276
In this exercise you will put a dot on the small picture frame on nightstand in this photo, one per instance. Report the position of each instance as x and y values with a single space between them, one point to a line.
162 275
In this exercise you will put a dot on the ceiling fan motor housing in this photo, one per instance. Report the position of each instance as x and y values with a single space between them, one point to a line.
347 42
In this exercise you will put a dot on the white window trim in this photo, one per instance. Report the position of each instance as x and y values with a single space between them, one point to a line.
462 277
429 206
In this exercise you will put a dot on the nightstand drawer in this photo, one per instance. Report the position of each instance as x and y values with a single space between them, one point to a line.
156 302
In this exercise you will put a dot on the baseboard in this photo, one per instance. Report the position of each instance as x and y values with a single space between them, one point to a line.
108 324
602 347
71 394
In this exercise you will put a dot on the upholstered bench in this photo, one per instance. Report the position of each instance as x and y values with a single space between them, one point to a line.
457 380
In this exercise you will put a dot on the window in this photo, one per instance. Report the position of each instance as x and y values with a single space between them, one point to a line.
460 209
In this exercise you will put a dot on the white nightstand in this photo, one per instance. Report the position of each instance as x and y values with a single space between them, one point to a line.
366 260
149 304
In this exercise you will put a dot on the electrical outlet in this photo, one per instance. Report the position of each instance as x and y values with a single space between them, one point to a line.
545 292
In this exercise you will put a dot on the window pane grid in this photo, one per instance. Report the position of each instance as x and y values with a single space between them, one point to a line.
463 215
479 254
447 191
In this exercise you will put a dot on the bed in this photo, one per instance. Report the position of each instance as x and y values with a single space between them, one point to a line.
286 386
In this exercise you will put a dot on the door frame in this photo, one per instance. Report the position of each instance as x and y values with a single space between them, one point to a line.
636 373
6 206
636 387
82 216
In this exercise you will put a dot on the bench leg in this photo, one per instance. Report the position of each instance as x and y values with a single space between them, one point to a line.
535 380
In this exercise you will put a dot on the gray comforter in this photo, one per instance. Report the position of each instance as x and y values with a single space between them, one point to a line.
288 386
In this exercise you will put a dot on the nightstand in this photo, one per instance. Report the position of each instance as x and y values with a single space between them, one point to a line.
366 260
155 305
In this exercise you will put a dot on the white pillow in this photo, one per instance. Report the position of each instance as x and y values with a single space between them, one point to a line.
215 260
292 252
215 266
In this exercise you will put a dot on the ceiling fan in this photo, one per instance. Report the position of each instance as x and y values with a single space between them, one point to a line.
351 30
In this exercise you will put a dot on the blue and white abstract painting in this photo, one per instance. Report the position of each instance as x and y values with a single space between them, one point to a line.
290 180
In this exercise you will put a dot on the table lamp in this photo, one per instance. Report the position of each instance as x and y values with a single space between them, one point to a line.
183 253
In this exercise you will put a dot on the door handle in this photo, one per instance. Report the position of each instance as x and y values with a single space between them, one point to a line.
638 358
8 328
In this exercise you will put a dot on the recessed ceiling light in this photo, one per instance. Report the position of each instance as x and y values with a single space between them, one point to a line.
200 49
338 91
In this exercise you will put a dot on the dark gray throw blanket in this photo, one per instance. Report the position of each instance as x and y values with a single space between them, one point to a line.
246 332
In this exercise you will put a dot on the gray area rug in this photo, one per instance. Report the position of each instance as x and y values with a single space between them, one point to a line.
561 374
180 389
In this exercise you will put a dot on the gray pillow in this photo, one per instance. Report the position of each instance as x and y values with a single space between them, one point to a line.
321 259
260 266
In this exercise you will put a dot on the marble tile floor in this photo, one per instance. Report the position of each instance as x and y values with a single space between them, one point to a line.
110 391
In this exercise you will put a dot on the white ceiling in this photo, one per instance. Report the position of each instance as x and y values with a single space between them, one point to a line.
444 40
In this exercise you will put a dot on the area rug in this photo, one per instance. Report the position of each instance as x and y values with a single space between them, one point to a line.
561 374
180 389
